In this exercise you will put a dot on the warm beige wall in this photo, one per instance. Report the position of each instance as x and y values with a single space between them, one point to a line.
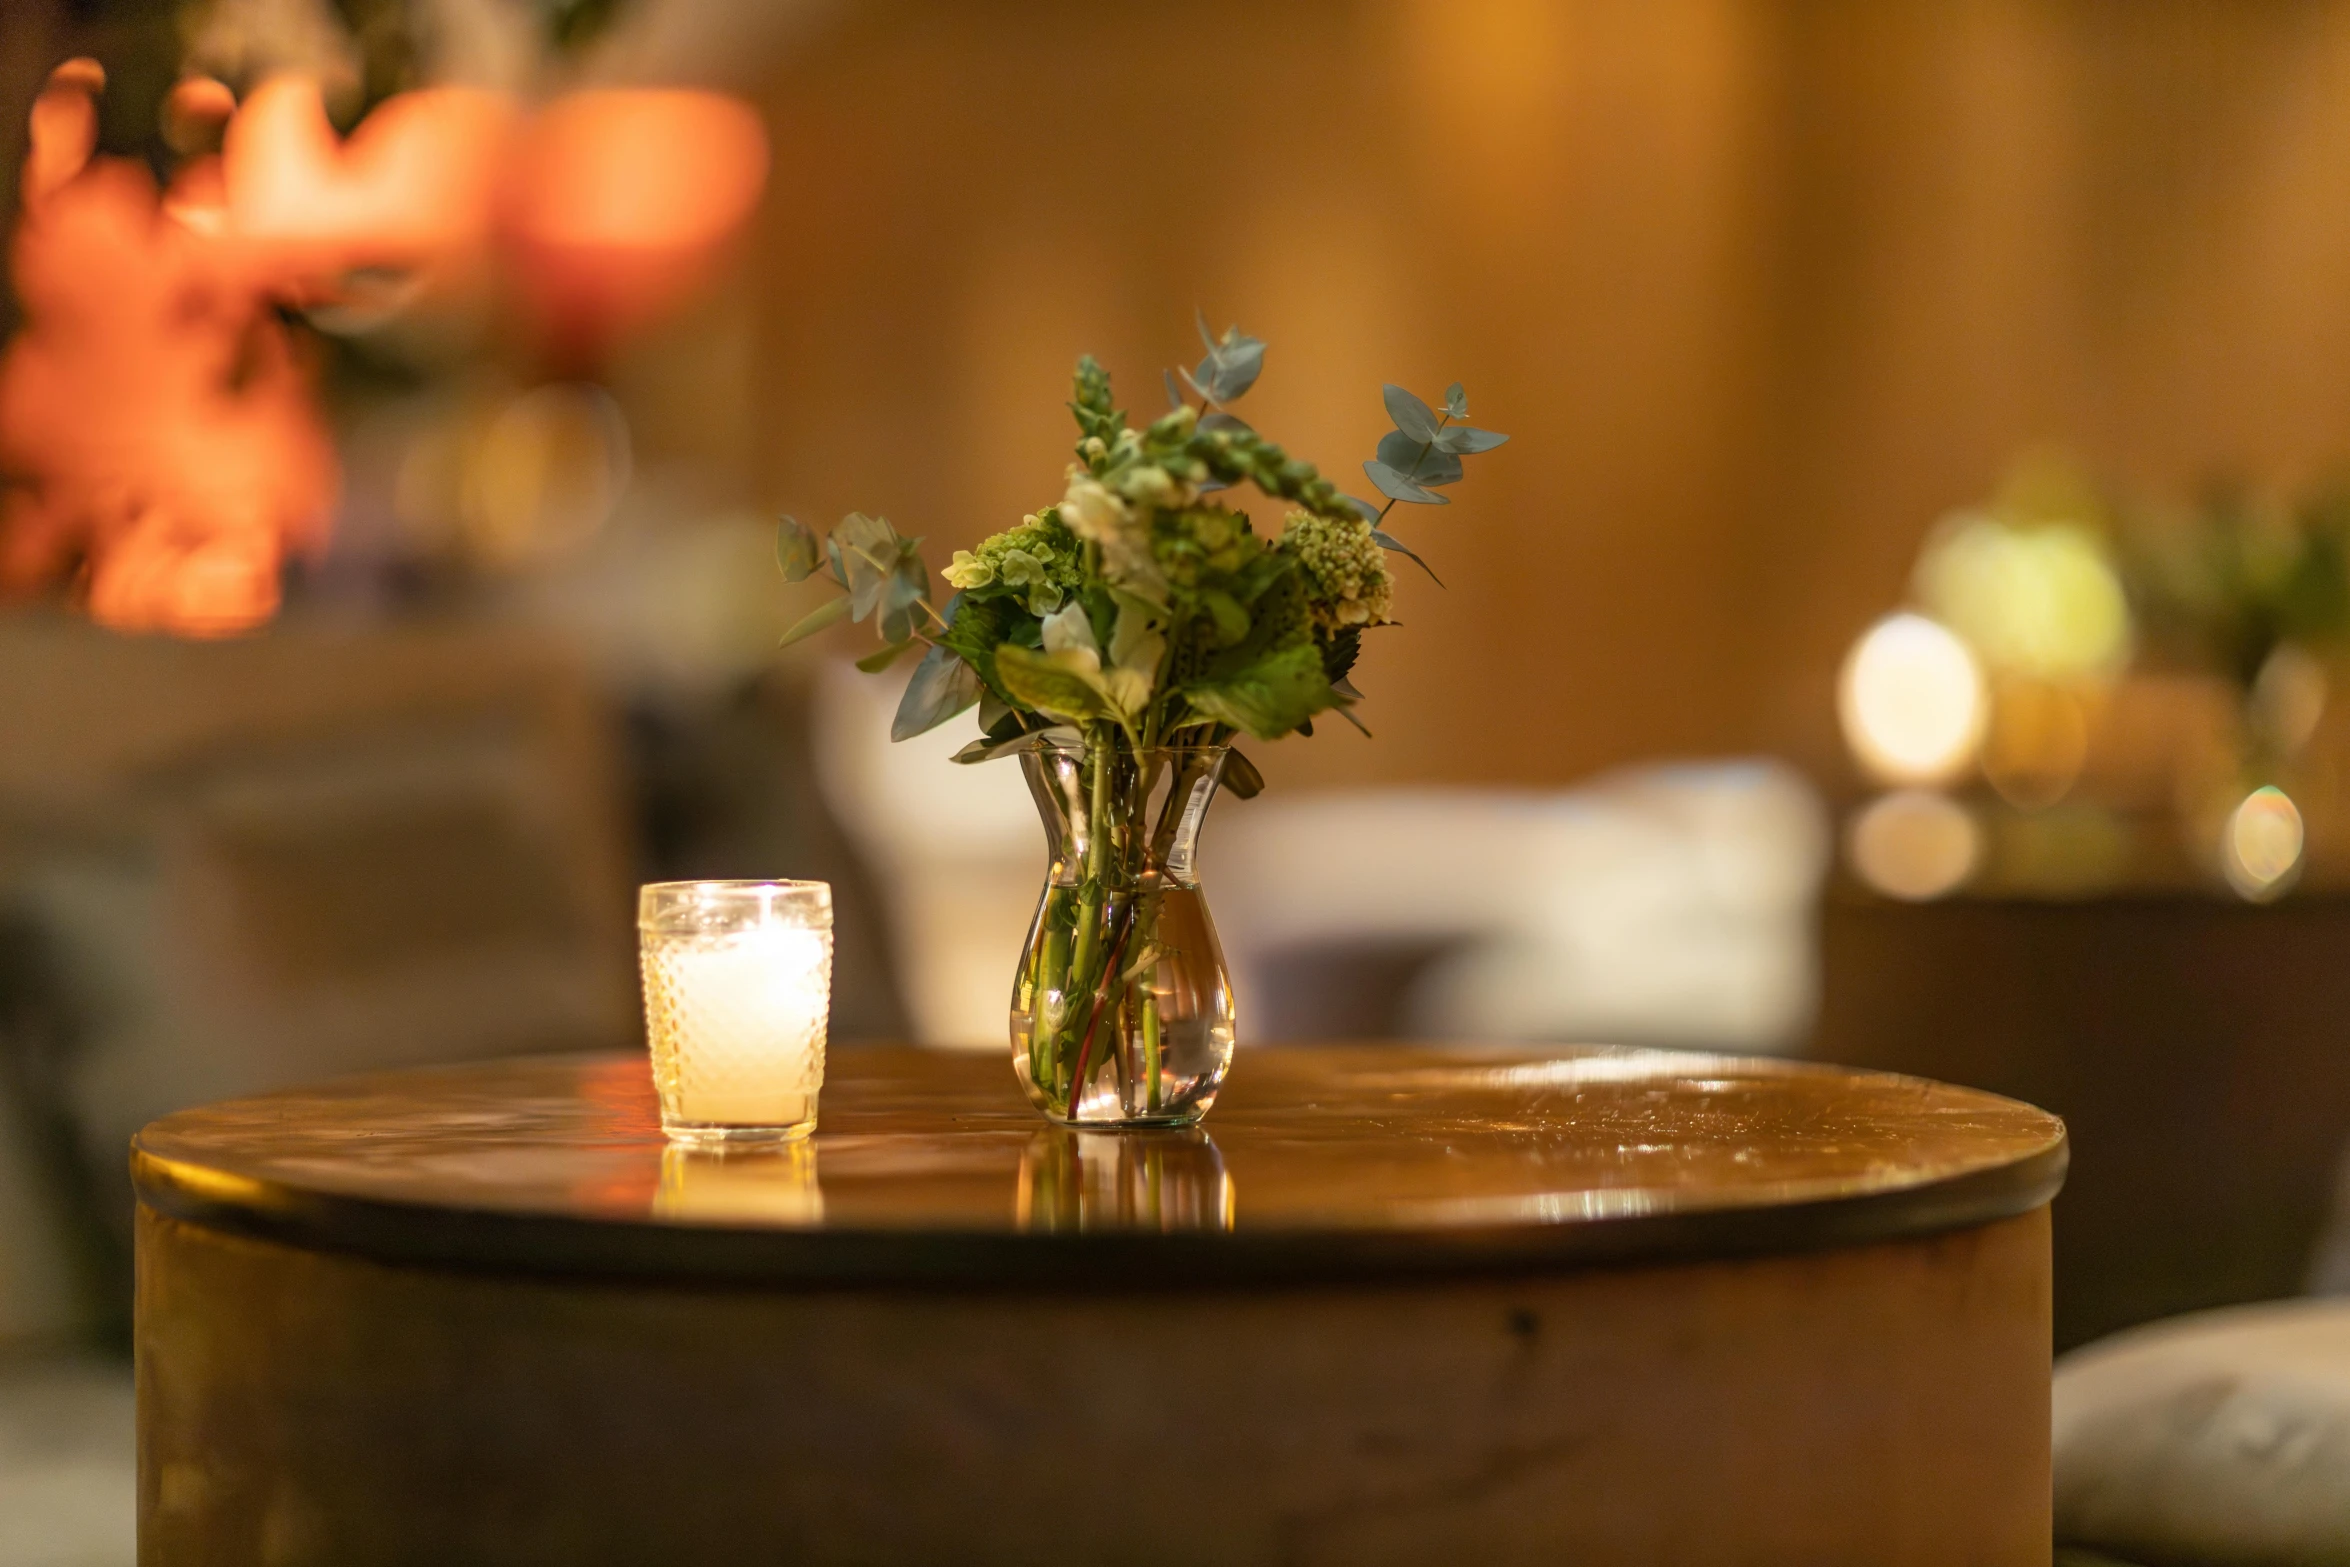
1760 288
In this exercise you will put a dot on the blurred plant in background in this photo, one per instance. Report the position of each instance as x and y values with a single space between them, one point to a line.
2040 611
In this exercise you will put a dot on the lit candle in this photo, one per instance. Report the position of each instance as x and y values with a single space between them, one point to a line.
738 988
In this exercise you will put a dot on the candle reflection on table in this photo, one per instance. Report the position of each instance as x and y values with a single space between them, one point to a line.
770 1186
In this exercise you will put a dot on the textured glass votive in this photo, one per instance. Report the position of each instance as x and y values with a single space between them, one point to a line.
738 987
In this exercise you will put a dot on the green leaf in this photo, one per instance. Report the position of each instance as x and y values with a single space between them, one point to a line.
1466 441
829 613
1388 541
1398 487
943 685
1241 779
875 663
1421 462
797 550
1272 696
1231 620
1413 417
1456 402
1036 680
977 627
1339 655
986 750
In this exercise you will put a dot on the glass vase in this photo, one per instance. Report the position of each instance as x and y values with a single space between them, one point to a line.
1122 1010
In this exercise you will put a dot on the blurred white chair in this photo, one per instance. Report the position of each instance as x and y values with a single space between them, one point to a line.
1662 905
1667 905
958 852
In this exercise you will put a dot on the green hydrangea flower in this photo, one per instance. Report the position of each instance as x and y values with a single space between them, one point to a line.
1344 568
1039 563
1201 544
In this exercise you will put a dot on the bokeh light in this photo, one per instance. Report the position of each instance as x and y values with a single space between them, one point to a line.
2040 600
1912 701
2260 851
1914 844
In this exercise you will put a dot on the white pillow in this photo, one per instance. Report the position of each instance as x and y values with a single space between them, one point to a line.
2220 1438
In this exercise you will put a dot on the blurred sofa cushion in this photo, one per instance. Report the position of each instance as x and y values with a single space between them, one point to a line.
227 868
2220 1438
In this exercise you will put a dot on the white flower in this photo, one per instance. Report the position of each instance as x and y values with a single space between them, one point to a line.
1090 511
1069 640
1148 484
967 570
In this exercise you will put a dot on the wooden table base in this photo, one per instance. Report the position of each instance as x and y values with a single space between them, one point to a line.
1882 1404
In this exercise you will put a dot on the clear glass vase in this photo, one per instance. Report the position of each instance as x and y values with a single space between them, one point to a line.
1122 1010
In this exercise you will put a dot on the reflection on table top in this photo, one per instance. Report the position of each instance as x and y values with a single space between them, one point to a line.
930 1167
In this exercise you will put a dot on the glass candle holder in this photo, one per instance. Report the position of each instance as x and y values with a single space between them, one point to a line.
738 988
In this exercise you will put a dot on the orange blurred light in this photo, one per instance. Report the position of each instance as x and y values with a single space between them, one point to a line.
157 422
619 203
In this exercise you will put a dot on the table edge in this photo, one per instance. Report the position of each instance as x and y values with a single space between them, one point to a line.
1111 1261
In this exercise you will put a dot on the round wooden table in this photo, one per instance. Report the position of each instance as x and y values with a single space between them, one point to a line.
1388 1306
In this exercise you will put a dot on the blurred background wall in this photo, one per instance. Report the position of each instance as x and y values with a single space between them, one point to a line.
1761 288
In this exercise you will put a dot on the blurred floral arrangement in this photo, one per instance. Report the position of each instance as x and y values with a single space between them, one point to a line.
160 430
1120 639
2038 612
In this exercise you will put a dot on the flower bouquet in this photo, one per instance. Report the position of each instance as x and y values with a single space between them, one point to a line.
1118 642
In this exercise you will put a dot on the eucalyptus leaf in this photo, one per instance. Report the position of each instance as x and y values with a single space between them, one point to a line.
1175 398
1395 485
942 686
1218 419
1237 369
993 711
1363 508
1466 440
829 613
1039 681
1413 417
1233 364
797 549
1456 401
1242 781
875 663
1422 462
1388 541
868 549
901 595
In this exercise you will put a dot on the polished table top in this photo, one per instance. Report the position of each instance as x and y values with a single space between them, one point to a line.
928 1168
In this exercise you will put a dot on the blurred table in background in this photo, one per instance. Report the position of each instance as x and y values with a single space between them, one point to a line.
2197 1048
1390 1306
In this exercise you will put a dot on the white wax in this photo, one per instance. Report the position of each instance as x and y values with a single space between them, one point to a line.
745 1019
